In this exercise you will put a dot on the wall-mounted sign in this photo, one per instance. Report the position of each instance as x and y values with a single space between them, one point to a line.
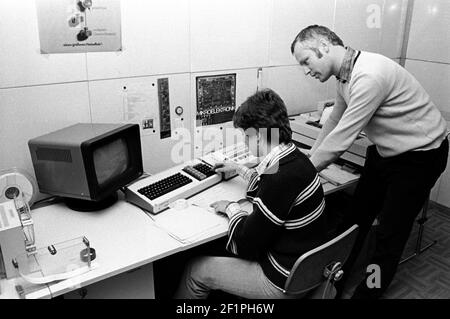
216 99
71 26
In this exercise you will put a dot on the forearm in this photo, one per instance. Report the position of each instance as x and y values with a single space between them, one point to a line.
328 126
322 159
245 172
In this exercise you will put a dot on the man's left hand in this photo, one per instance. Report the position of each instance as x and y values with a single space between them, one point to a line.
220 206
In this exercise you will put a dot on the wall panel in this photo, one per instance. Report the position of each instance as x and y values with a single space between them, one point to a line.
434 77
229 34
429 37
21 62
359 22
300 93
34 111
155 39
291 16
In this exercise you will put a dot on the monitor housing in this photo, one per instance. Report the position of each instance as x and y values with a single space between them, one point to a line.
87 163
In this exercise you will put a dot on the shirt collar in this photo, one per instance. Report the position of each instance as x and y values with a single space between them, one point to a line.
346 69
275 155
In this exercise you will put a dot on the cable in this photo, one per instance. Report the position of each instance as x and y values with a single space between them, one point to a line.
47 199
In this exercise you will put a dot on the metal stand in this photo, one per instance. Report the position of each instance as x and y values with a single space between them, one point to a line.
421 222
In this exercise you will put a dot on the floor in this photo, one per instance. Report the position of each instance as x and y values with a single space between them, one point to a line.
427 275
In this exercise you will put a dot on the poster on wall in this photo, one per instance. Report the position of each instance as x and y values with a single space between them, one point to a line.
216 99
73 26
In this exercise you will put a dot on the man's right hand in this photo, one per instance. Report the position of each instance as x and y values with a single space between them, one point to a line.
225 167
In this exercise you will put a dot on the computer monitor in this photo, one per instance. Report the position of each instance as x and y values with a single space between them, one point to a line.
87 163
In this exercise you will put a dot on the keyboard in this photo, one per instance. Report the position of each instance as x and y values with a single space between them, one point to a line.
155 193
164 186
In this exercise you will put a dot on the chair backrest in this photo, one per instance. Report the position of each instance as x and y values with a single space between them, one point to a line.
308 271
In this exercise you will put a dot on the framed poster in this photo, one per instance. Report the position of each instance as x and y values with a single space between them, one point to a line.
73 26
216 99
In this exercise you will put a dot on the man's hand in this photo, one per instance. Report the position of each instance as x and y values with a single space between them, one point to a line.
225 167
305 151
220 206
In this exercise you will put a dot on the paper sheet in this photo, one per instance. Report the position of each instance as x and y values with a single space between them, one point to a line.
336 175
187 224
232 190
197 218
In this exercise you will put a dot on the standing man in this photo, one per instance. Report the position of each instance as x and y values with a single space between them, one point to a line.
379 97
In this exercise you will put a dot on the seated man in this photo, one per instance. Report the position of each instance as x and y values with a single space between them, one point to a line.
288 216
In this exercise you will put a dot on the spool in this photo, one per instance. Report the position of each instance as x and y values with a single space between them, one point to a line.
14 182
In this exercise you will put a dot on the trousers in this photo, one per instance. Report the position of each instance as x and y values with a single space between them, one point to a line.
393 189
232 275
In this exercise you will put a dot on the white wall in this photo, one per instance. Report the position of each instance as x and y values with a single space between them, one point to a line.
428 58
177 39
363 24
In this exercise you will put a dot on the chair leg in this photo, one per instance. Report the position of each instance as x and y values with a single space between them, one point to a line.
418 250
324 291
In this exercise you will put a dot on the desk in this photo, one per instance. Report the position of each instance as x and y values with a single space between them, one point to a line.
124 236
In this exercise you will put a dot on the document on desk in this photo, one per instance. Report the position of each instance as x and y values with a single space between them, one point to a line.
190 223
232 190
198 218
337 176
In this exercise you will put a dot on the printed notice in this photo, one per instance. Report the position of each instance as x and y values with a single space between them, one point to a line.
72 26
139 105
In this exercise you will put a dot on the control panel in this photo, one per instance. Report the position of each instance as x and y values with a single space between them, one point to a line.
199 171
164 107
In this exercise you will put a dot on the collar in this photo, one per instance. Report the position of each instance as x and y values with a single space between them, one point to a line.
345 72
275 155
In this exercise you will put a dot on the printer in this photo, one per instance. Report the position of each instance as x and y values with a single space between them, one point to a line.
306 128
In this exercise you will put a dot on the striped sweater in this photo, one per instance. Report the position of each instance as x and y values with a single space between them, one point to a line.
288 215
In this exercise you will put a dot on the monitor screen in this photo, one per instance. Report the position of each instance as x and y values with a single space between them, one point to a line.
110 160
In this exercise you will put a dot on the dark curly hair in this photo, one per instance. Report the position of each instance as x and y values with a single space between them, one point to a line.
264 110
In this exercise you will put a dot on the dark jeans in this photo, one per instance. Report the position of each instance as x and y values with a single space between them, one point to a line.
394 189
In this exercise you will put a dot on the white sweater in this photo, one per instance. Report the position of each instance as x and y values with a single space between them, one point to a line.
389 104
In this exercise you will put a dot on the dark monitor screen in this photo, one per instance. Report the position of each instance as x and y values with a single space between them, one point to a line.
111 160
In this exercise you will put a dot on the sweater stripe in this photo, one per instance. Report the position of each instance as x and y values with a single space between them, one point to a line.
252 185
234 220
272 217
277 266
232 226
308 191
284 153
301 222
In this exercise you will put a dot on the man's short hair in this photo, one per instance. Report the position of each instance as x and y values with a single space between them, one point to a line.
316 32
264 110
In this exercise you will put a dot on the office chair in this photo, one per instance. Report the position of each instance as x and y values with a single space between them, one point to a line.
421 221
314 273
